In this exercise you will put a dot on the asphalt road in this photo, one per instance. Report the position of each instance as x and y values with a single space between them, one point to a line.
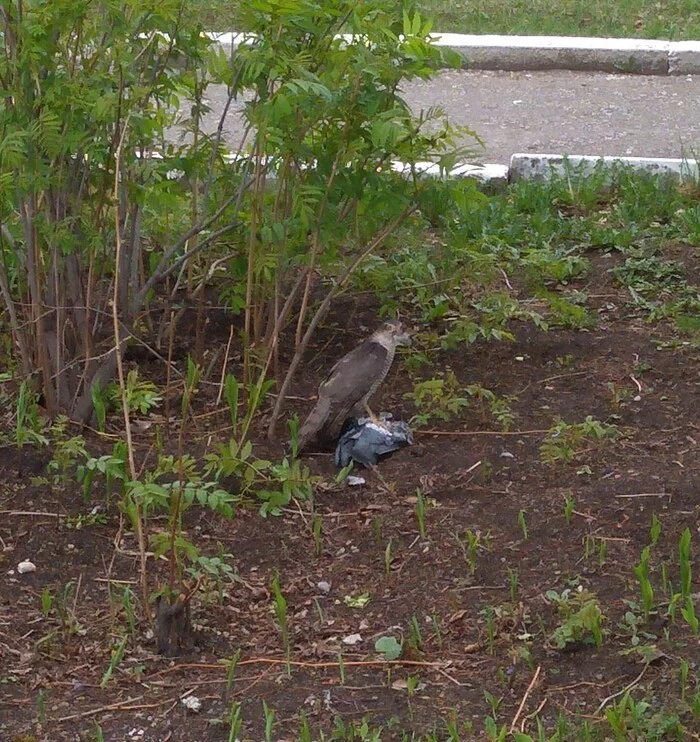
560 112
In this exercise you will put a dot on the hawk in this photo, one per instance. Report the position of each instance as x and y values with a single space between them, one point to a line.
351 383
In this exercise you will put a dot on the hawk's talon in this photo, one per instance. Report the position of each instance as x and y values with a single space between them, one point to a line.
373 418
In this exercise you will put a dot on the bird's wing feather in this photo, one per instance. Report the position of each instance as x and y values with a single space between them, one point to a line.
348 383
352 378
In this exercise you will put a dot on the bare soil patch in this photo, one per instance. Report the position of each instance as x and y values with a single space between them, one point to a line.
473 631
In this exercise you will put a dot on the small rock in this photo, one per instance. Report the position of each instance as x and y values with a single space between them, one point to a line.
26 566
352 639
323 586
191 703
355 481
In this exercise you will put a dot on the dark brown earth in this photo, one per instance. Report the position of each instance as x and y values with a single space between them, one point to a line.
473 478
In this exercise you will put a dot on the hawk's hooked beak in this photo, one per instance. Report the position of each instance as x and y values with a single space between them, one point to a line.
402 338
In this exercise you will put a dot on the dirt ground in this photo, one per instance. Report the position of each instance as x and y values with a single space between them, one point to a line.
465 632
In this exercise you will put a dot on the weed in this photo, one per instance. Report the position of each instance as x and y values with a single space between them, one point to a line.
630 719
569 507
235 722
67 452
565 441
341 669
388 557
688 613
513 584
414 640
471 544
46 602
646 590
439 398
29 427
389 647
269 716
683 670
116 658
522 523
281 613
420 514
582 618
318 534
141 394
685 564
632 625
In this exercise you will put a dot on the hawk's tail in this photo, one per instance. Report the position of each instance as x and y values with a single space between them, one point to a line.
314 422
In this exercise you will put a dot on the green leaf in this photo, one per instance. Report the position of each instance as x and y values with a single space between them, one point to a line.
359 601
389 647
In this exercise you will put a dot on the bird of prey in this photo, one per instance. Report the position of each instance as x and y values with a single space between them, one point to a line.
351 383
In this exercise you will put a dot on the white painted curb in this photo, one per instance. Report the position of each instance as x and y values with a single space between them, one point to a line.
539 167
592 54
544 166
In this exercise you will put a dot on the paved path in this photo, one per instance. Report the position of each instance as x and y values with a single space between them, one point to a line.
554 112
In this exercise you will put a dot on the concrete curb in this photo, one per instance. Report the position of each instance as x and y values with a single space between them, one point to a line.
537 167
543 167
579 53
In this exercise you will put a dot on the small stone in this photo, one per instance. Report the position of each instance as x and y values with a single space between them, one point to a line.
191 703
355 481
26 566
323 586
352 639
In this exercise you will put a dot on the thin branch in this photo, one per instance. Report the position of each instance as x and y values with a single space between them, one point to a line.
514 723
628 687
138 522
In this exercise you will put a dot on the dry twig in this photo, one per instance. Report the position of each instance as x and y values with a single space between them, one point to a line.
525 697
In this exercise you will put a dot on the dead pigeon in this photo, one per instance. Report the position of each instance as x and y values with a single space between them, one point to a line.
363 441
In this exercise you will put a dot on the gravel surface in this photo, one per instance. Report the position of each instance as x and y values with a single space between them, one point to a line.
551 112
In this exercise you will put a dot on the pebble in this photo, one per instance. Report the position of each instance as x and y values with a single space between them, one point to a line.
191 703
26 566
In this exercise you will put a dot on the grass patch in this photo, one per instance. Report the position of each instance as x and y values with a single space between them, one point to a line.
674 19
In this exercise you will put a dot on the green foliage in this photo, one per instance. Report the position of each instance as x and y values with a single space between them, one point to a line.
444 398
28 425
581 618
646 590
281 613
675 19
471 544
85 81
389 647
141 394
328 117
68 453
630 719
449 270
685 563
565 441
